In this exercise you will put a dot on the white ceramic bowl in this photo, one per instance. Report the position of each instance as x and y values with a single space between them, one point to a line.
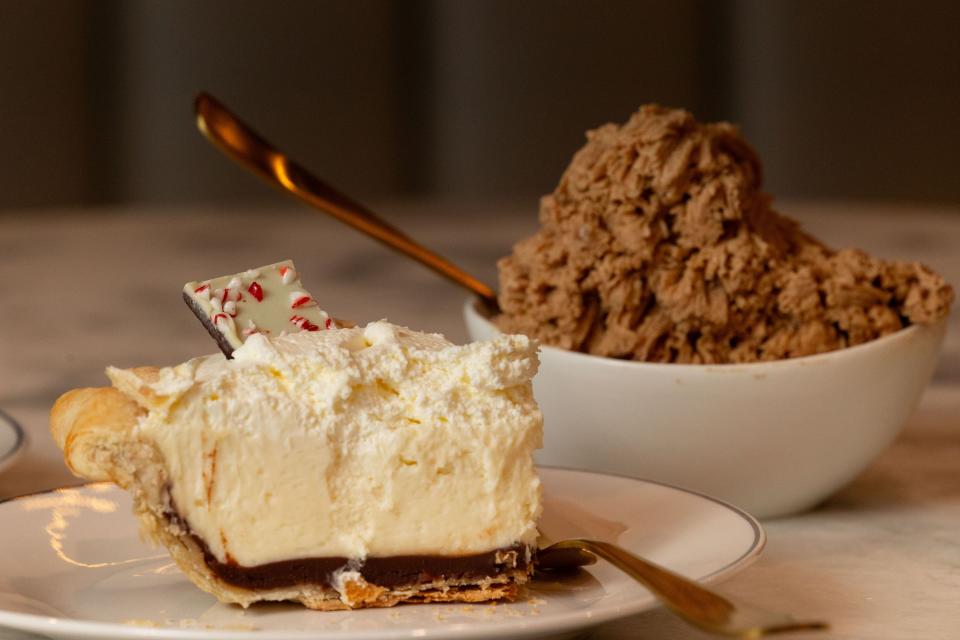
773 438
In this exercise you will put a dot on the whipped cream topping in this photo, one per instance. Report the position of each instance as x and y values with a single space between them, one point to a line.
373 441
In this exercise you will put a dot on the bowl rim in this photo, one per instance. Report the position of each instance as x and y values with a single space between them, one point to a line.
473 304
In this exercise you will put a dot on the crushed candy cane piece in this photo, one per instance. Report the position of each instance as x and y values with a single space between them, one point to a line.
300 299
288 274
303 324
222 321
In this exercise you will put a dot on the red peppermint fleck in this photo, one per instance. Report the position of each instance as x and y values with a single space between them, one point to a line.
287 275
202 287
303 323
256 291
301 301
329 323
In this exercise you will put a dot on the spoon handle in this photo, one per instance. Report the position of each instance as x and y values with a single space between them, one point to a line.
695 604
240 142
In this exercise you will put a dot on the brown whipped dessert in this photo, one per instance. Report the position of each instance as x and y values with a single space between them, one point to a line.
659 245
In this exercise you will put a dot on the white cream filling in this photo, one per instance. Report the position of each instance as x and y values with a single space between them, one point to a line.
355 442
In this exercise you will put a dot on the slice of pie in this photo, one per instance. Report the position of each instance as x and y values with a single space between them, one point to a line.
347 468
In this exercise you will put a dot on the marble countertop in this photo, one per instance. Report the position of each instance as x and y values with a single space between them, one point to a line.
83 289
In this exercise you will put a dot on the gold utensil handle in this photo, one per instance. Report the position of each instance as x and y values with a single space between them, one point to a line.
240 142
692 602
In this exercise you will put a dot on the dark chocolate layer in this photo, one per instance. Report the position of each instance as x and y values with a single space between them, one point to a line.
389 572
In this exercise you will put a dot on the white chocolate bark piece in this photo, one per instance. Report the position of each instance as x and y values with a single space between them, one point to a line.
269 300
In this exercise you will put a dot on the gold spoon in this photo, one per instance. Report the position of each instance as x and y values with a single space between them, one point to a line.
240 142
687 599
692 602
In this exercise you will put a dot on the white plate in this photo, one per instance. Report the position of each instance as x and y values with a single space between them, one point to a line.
73 567
11 440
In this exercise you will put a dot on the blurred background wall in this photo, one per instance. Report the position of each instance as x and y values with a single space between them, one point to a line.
478 99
